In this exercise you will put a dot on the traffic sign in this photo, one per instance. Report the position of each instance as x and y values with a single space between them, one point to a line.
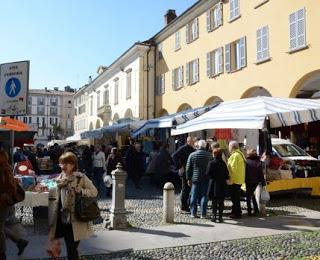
14 86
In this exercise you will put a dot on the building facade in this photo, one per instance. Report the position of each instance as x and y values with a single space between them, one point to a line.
224 50
123 90
50 114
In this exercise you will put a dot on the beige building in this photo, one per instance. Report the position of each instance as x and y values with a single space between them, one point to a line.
224 50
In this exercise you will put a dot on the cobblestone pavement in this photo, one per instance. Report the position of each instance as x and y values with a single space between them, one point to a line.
144 209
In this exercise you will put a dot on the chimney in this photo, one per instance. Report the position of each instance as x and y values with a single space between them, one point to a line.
56 89
101 69
169 16
90 79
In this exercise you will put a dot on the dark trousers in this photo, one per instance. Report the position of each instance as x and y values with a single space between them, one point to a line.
185 194
250 188
4 211
217 204
98 181
72 246
136 176
235 198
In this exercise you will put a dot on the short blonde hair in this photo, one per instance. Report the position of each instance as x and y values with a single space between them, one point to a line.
71 158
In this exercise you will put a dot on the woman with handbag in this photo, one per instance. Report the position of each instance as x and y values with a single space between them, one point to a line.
63 221
7 190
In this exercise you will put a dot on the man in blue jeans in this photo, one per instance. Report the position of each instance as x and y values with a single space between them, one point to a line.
197 179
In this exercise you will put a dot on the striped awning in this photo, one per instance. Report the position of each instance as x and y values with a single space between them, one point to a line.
171 120
250 113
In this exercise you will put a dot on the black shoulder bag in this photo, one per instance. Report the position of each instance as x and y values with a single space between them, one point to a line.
86 208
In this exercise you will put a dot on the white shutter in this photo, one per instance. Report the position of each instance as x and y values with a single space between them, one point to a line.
293 31
265 42
180 77
219 14
196 70
232 14
157 85
173 83
209 67
236 8
187 34
228 60
220 67
163 87
259 44
209 27
187 74
216 62
177 42
242 52
301 30
197 28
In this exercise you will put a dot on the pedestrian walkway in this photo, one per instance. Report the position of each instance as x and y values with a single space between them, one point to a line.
181 234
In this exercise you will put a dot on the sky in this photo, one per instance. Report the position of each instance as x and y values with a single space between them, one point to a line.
66 40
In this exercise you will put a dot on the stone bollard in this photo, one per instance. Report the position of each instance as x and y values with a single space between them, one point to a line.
118 219
168 203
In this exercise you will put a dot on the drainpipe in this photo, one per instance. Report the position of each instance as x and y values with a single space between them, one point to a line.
155 81
148 82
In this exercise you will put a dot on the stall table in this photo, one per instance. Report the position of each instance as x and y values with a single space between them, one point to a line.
297 183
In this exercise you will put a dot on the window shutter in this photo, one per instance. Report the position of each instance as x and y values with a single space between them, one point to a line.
232 14
196 70
301 31
242 52
228 61
219 14
259 44
182 76
209 70
180 73
196 29
163 86
293 32
177 38
173 79
187 74
265 42
209 27
220 63
236 11
187 33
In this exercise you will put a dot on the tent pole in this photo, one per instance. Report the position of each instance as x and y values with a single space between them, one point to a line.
11 145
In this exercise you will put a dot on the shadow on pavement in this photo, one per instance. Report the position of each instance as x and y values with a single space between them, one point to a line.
158 232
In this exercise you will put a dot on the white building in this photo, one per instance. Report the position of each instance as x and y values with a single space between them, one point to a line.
50 113
125 89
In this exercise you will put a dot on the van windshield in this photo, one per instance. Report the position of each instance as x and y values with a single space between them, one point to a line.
287 150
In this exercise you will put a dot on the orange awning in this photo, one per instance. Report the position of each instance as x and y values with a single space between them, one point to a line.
12 124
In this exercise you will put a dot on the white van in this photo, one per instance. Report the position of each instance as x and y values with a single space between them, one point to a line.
302 164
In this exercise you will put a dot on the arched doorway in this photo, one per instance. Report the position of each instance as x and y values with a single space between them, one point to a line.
98 124
115 117
128 113
213 100
163 112
255 92
183 107
91 126
307 86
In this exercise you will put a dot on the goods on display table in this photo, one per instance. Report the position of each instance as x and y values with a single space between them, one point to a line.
37 189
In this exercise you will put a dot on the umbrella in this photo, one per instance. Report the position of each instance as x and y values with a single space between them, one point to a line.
7 123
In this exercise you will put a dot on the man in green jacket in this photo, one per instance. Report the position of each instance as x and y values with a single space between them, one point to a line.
237 171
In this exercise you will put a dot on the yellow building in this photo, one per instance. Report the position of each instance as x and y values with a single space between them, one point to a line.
224 50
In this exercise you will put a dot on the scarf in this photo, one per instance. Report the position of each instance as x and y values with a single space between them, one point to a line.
66 184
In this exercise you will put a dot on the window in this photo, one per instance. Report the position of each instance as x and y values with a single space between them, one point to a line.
234 9
91 105
75 111
29 110
29 100
116 91
51 120
235 55
106 96
82 109
69 124
160 54
192 30
53 101
56 121
177 45
263 44
38 121
192 72
128 85
69 101
40 110
25 119
297 30
98 99
214 62
53 111
177 78
30 120
214 17
160 85
43 122
40 101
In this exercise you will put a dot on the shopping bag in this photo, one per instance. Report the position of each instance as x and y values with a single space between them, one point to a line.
53 246
265 196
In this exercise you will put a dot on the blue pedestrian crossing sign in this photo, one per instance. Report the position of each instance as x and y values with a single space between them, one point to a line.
13 87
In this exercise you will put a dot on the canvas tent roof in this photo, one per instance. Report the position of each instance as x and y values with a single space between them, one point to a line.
250 113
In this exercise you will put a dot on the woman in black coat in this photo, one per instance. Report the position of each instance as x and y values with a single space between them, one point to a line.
217 172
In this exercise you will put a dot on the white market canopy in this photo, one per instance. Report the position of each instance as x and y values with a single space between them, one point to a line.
171 120
250 113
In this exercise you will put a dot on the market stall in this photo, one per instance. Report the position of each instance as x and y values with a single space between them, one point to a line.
260 113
